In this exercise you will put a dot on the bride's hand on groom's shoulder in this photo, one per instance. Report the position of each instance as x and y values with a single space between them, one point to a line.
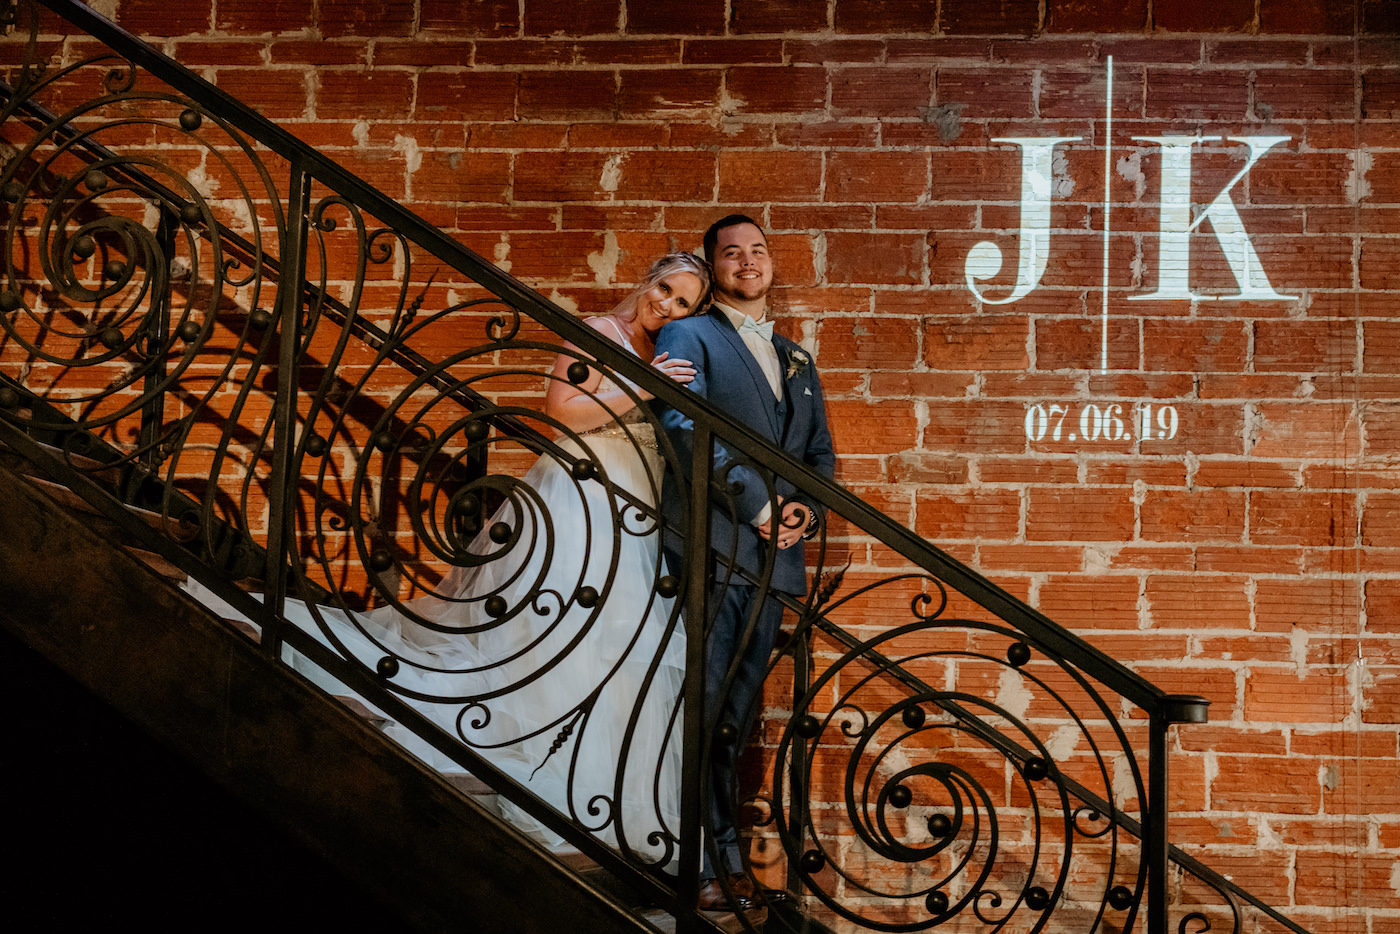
682 371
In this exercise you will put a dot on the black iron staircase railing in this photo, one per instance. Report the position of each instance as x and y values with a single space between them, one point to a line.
306 380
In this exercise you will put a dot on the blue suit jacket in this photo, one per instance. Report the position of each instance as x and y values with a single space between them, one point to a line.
731 379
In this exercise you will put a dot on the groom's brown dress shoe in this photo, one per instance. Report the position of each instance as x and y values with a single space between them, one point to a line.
740 897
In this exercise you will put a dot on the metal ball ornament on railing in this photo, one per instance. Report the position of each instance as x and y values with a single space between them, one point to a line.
476 430
9 398
587 597
188 331
260 318
940 826
384 441
914 716
807 726
190 214
190 119
668 586
388 667
901 797
1018 653
1037 898
937 902
12 192
495 606
380 560
1120 898
114 269
111 338
84 246
812 862
9 300
577 373
583 470
95 181
1036 769
315 445
499 532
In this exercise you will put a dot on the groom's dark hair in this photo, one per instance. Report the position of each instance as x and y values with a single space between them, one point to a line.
732 220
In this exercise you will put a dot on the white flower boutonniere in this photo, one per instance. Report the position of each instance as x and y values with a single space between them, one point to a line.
797 362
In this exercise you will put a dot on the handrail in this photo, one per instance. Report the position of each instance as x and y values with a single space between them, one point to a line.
1069 653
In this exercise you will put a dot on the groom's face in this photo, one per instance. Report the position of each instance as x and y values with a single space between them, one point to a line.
743 268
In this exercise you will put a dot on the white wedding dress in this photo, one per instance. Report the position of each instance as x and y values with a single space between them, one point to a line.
578 703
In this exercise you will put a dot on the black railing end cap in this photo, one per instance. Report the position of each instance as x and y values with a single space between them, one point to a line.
1184 708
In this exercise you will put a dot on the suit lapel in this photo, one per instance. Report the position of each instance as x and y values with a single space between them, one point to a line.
762 390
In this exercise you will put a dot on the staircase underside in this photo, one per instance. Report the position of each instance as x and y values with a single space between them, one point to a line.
440 861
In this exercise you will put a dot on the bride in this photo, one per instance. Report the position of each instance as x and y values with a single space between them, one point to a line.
546 648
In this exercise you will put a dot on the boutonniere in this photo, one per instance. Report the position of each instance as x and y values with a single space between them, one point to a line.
797 362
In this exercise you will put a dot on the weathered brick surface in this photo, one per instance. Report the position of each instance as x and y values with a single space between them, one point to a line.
1231 528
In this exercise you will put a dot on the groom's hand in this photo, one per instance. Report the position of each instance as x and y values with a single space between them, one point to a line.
790 527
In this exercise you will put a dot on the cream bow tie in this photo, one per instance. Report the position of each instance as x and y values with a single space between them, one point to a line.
762 328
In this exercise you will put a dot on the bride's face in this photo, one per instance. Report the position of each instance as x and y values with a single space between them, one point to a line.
671 298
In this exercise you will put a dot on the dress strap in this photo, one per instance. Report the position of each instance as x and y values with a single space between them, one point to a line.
621 338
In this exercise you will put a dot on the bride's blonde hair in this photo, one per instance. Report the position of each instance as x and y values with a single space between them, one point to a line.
626 309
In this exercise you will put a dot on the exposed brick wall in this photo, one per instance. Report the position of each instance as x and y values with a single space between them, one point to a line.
1253 557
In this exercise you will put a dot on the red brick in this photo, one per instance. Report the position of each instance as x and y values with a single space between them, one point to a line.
697 18
972 17
375 20
1091 603
1185 16
1302 518
1314 605
274 94
632 52
982 427
375 95
538 53
560 176
554 257
1211 96
986 94
876 176
1283 696
1079 515
1194 345
1110 16
881 91
885 259
577 18
1234 473
1199 515
668 93
994 514
293 52
777 16
1380 346
783 90
571 95
1366 879
833 51
734 51
992 343
1076 344
1197 601
154 18
470 96
871 428
483 18
1075 94
1306 346
1289 17
914 467
259 16
867 343
1299 430
660 176
770 176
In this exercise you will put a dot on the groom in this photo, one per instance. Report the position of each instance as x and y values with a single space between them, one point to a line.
769 383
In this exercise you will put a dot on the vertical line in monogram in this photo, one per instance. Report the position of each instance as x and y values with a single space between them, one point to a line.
1107 179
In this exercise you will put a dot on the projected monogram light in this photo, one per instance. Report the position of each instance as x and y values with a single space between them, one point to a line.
1108 422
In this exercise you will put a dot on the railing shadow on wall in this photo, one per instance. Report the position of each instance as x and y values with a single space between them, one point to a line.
321 393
